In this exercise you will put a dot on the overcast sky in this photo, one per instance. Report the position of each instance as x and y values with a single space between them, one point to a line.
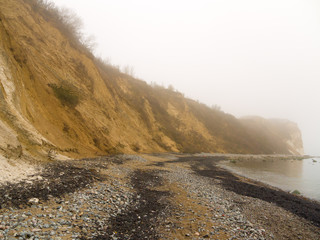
251 57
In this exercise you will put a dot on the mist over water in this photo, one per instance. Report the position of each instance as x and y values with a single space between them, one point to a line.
249 57
289 175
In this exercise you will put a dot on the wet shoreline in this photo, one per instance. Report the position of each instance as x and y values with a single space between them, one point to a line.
294 176
298 205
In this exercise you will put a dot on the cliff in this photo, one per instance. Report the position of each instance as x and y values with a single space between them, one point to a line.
58 100
279 134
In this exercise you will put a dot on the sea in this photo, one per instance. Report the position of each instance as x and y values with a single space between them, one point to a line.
301 176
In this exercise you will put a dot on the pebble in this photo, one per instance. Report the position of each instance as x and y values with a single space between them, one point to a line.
87 211
224 213
83 210
33 200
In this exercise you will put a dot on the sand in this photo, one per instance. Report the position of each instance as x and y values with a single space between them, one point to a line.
12 171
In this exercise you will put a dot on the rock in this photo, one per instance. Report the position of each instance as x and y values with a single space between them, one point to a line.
39 178
46 226
2 227
33 201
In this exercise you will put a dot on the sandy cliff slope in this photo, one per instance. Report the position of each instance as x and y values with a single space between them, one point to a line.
58 100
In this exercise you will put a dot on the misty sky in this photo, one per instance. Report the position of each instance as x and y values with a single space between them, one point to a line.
250 57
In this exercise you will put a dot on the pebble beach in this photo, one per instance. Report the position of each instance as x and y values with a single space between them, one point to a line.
159 196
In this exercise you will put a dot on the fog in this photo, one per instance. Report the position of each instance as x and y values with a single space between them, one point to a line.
249 57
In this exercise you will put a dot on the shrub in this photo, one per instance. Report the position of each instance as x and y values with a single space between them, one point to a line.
66 21
67 94
296 192
66 128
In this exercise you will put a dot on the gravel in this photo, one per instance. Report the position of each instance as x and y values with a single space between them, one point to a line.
225 214
80 215
133 197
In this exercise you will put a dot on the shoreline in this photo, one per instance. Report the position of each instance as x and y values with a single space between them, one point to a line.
285 215
158 196
237 172
242 185
240 174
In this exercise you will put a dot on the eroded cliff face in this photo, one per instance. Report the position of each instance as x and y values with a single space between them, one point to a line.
59 100
278 133
294 138
35 58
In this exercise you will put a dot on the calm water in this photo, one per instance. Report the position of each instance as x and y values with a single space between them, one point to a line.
289 175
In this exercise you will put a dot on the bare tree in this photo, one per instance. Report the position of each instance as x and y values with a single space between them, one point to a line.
128 70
